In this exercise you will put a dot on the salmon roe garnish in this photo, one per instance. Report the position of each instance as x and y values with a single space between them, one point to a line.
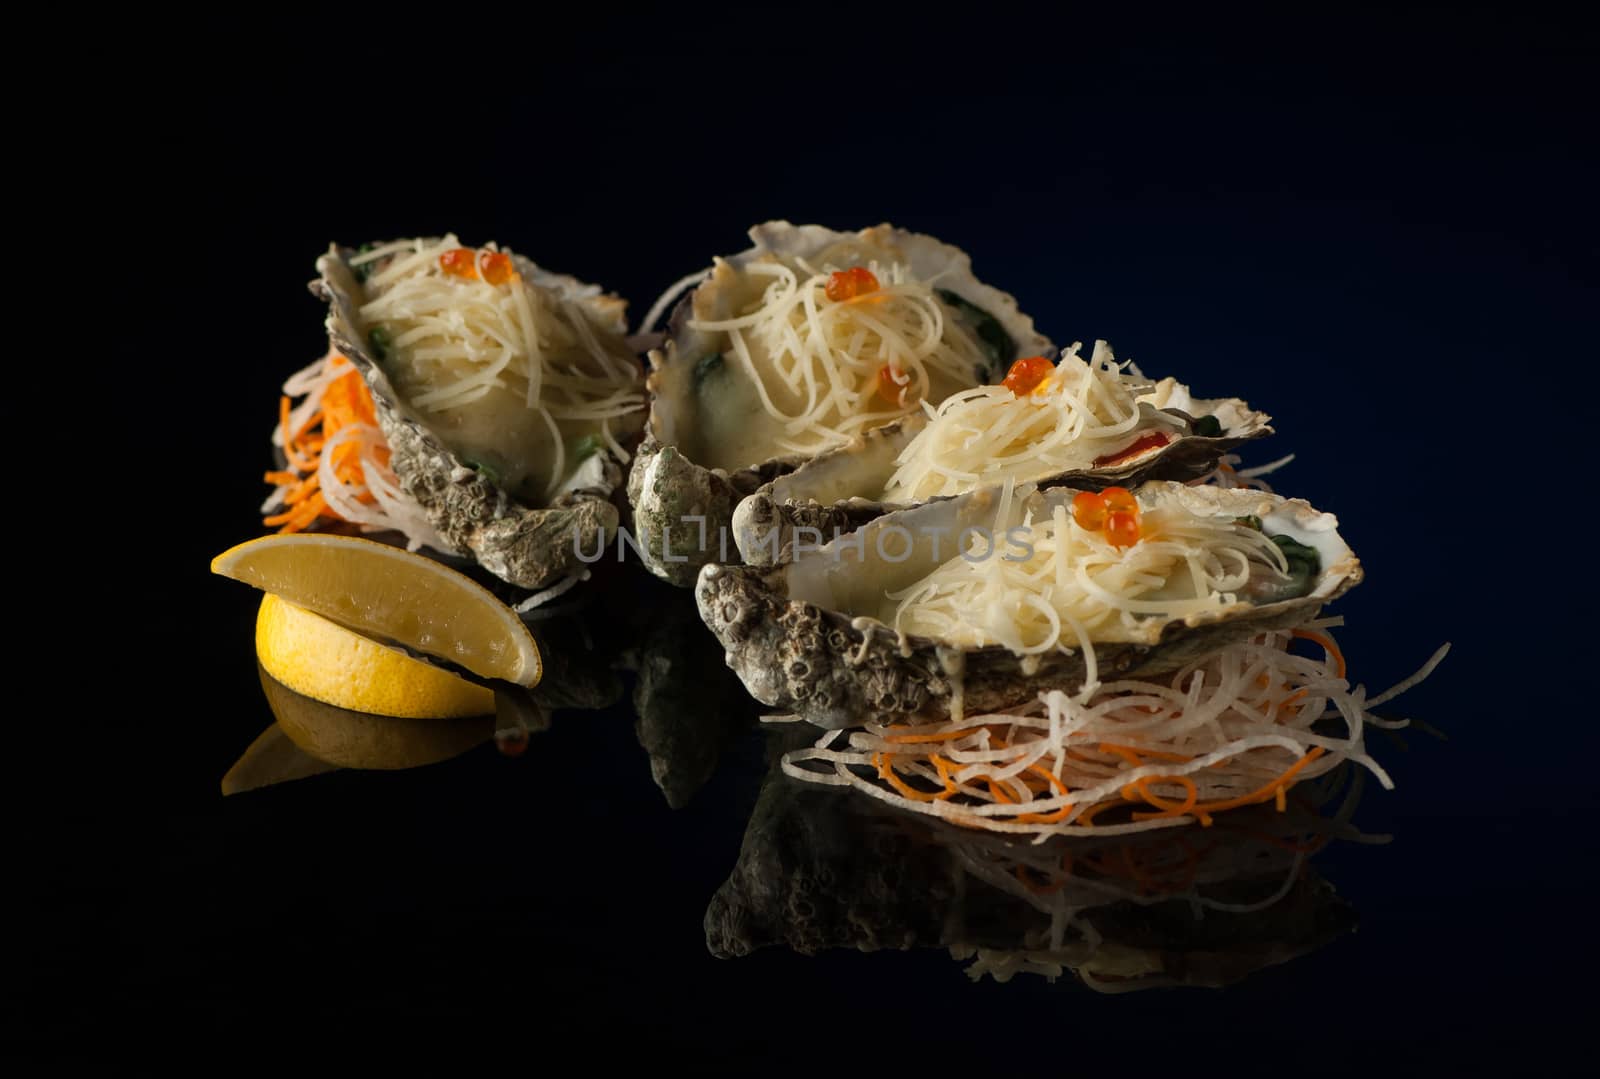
1089 511
459 262
496 266
848 284
1027 374
892 385
1114 513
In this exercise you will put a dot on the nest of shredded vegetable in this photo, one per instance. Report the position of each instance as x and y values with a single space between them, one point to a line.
1237 728
337 461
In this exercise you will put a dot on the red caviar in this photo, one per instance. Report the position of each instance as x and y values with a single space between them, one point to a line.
848 284
892 385
1114 513
496 266
459 262
1089 510
1027 374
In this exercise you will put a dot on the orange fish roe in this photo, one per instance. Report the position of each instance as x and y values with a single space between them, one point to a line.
459 262
496 267
1114 513
848 284
1028 374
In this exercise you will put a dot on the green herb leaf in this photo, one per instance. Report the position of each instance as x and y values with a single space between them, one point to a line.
1249 522
992 337
484 469
364 271
587 447
378 338
1207 427
1304 563
706 367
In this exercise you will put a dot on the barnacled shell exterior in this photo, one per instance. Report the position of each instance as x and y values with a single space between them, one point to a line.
526 546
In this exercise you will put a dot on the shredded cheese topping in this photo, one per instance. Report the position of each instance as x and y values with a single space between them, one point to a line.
1239 727
1054 585
815 363
464 345
1082 411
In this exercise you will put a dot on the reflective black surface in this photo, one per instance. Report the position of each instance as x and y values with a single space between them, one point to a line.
1378 229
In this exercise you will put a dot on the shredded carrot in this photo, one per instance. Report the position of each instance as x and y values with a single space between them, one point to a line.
1261 795
1166 808
1327 645
886 772
345 401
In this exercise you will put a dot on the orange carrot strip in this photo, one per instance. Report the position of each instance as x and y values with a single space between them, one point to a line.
1261 795
1327 645
1166 808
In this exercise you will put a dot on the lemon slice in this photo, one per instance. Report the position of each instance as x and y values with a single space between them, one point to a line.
352 739
325 661
387 592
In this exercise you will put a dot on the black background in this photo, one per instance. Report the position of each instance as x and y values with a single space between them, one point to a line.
1379 229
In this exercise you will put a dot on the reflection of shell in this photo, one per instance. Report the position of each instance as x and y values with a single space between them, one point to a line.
833 492
663 492
820 869
790 638
690 707
531 547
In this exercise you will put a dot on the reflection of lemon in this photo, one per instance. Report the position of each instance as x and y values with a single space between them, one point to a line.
272 758
359 740
329 663
392 594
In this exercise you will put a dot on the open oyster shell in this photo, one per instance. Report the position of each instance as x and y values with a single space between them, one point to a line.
793 636
696 464
838 491
526 545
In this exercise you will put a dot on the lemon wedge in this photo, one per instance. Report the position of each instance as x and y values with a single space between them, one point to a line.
386 592
322 660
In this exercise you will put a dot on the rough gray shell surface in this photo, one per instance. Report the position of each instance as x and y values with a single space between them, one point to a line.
835 492
789 634
662 492
531 547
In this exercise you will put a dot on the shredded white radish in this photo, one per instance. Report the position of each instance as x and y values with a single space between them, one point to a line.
829 369
1238 727
1075 585
467 350
1081 412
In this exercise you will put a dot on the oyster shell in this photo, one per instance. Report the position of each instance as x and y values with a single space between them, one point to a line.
528 545
805 636
842 489
697 462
